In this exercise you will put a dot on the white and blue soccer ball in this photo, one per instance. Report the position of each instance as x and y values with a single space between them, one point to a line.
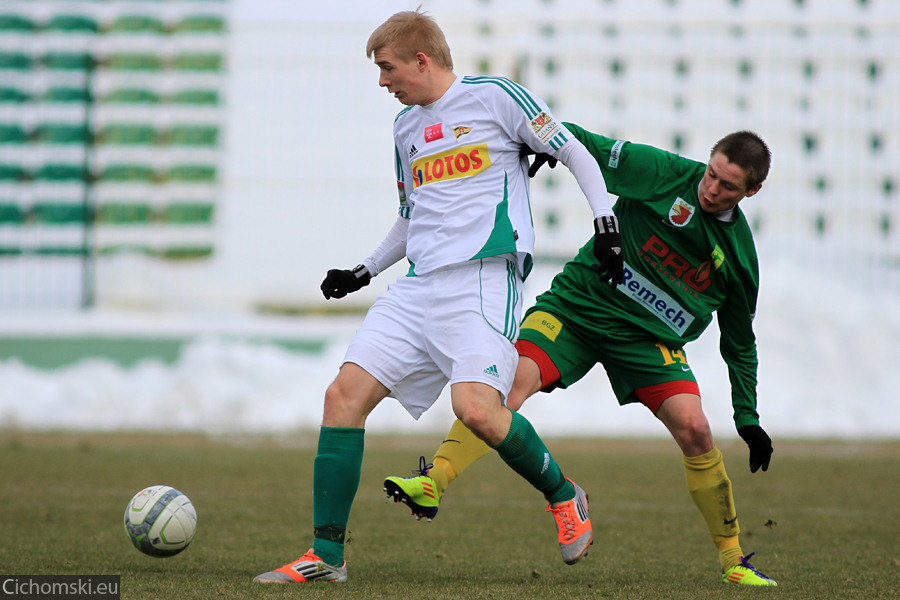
160 521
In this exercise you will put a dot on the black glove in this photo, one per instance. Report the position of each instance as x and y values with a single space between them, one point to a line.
760 446
340 282
608 249
539 160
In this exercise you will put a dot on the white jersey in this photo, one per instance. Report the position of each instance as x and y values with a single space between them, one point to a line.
463 185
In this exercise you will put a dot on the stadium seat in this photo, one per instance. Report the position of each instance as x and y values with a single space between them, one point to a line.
13 134
200 24
69 61
133 96
54 213
128 172
16 23
194 135
124 213
62 172
186 252
183 213
129 135
72 24
13 95
134 61
10 172
16 61
193 173
137 24
63 133
10 214
191 61
196 96
67 95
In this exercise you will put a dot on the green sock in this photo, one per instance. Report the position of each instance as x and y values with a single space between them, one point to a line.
336 473
525 452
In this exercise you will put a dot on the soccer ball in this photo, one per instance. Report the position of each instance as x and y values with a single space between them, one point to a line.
160 521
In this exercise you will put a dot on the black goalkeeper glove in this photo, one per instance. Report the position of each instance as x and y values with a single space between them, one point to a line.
539 160
760 446
340 282
608 249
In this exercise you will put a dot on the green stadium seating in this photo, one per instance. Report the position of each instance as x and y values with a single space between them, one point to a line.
197 96
62 172
194 135
124 172
63 133
16 23
185 252
13 95
136 24
129 135
133 61
16 61
200 24
10 172
69 61
12 134
54 213
190 61
67 94
133 96
72 24
11 213
189 213
124 213
193 173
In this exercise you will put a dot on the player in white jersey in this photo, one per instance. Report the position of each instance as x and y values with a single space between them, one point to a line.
465 226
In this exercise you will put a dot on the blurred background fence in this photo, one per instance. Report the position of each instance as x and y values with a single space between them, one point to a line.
223 154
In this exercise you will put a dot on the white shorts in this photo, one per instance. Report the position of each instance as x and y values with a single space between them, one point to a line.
456 324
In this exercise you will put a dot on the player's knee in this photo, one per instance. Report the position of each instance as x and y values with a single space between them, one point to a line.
694 436
340 409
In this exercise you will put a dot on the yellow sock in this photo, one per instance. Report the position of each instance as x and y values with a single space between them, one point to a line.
710 489
460 449
730 552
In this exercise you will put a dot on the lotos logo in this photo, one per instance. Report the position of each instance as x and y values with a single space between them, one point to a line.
680 213
435 132
453 164
658 254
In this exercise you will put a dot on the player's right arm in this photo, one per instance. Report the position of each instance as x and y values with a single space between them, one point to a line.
340 282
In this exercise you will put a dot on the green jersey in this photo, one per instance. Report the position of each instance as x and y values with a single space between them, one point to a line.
681 264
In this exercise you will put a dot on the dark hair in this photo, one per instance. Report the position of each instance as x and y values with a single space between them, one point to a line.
748 151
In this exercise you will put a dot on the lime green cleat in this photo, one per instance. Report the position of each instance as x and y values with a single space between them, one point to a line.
746 574
419 493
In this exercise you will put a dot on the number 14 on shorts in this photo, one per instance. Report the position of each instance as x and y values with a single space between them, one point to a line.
670 357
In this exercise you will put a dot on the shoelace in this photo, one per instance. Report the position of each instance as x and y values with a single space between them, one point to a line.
424 467
562 516
745 562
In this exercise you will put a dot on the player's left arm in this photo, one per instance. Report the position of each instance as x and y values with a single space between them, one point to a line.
737 346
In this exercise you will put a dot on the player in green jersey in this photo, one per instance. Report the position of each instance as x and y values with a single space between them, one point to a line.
688 252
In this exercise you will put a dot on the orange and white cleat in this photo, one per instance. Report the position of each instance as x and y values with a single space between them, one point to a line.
308 568
573 526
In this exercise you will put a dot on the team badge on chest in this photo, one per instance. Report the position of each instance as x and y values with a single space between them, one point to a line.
681 212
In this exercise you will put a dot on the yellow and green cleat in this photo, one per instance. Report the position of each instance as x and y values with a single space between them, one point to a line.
746 574
419 493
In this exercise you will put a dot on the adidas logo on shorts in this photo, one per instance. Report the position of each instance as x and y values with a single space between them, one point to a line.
492 370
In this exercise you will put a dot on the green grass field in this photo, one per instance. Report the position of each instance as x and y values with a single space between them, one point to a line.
824 521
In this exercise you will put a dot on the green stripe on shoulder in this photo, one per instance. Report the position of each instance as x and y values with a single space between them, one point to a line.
516 92
403 112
